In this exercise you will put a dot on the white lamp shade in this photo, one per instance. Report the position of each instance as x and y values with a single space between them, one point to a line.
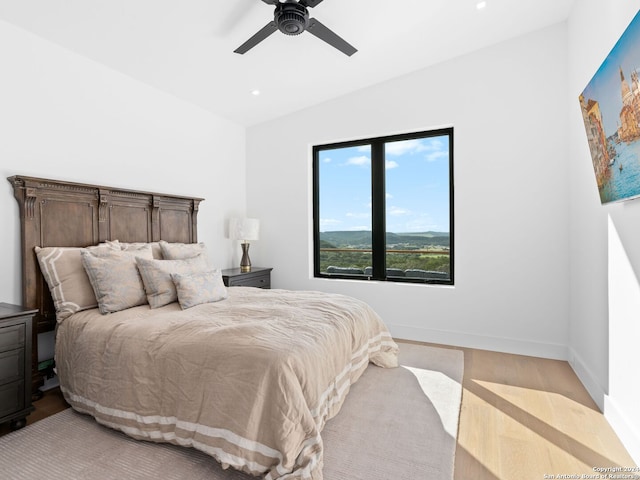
244 228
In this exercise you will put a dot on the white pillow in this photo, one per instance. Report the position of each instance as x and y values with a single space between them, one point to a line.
68 282
156 276
178 251
115 279
197 288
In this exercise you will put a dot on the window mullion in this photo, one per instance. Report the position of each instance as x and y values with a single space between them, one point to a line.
378 209
316 211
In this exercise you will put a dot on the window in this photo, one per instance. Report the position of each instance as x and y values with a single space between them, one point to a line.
383 208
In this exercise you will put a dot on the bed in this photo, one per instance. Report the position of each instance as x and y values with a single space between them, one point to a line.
247 375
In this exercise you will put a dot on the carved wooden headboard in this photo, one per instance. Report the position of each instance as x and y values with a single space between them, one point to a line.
55 213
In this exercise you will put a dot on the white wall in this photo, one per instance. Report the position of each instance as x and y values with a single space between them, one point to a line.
65 117
605 251
508 107
534 247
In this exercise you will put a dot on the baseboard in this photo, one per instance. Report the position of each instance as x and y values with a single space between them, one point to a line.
629 436
589 381
482 342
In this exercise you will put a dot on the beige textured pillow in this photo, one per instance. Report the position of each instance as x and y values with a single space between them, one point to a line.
155 248
114 244
68 282
197 288
115 279
177 251
156 276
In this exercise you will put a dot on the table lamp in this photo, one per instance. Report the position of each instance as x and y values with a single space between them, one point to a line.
244 229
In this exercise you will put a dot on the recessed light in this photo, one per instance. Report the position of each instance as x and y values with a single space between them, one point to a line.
481 5
255 92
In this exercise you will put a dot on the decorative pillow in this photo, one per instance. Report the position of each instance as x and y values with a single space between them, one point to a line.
196 288
156 276
115 279
178 251
115 247
68 282
115 244
155 248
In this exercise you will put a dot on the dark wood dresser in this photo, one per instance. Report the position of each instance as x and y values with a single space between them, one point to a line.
258 277
15 364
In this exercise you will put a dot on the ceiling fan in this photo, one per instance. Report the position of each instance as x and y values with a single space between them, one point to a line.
291 17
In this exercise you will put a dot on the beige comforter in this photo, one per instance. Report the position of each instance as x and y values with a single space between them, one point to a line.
250 380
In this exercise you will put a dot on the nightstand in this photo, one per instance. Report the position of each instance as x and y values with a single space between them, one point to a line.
257 277
15 364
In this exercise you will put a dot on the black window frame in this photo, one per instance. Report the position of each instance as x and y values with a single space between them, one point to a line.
378 206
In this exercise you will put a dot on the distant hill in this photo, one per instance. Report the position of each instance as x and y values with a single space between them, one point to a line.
340 239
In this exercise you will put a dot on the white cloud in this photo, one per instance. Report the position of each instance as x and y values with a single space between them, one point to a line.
432 148
326 160
389 164
436 150
437 155
397 211
328 223
359 161
404 146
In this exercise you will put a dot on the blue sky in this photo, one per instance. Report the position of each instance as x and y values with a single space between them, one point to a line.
417 196
604 87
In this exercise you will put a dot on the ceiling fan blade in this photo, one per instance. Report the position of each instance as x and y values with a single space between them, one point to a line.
263 33
323 33
307 3
273 2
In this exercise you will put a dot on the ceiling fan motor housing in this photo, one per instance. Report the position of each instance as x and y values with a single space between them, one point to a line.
291 18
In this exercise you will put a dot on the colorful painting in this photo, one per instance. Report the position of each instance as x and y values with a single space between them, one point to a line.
611 111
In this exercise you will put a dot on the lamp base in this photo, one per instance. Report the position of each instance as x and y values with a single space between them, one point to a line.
245 263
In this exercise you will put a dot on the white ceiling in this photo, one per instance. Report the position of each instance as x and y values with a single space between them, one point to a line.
185 47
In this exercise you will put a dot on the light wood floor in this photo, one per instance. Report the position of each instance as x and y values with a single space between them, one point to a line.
524 417
521 418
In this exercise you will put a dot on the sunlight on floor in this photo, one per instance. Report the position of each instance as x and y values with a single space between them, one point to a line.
542 433
437 387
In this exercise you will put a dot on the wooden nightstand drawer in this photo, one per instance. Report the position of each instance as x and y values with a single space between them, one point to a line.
15 363
257 277
261 281
12 398
11 366
11 337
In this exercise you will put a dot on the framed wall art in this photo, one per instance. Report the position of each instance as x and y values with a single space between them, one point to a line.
610 106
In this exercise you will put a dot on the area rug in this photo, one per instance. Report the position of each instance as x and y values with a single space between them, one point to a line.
395 423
